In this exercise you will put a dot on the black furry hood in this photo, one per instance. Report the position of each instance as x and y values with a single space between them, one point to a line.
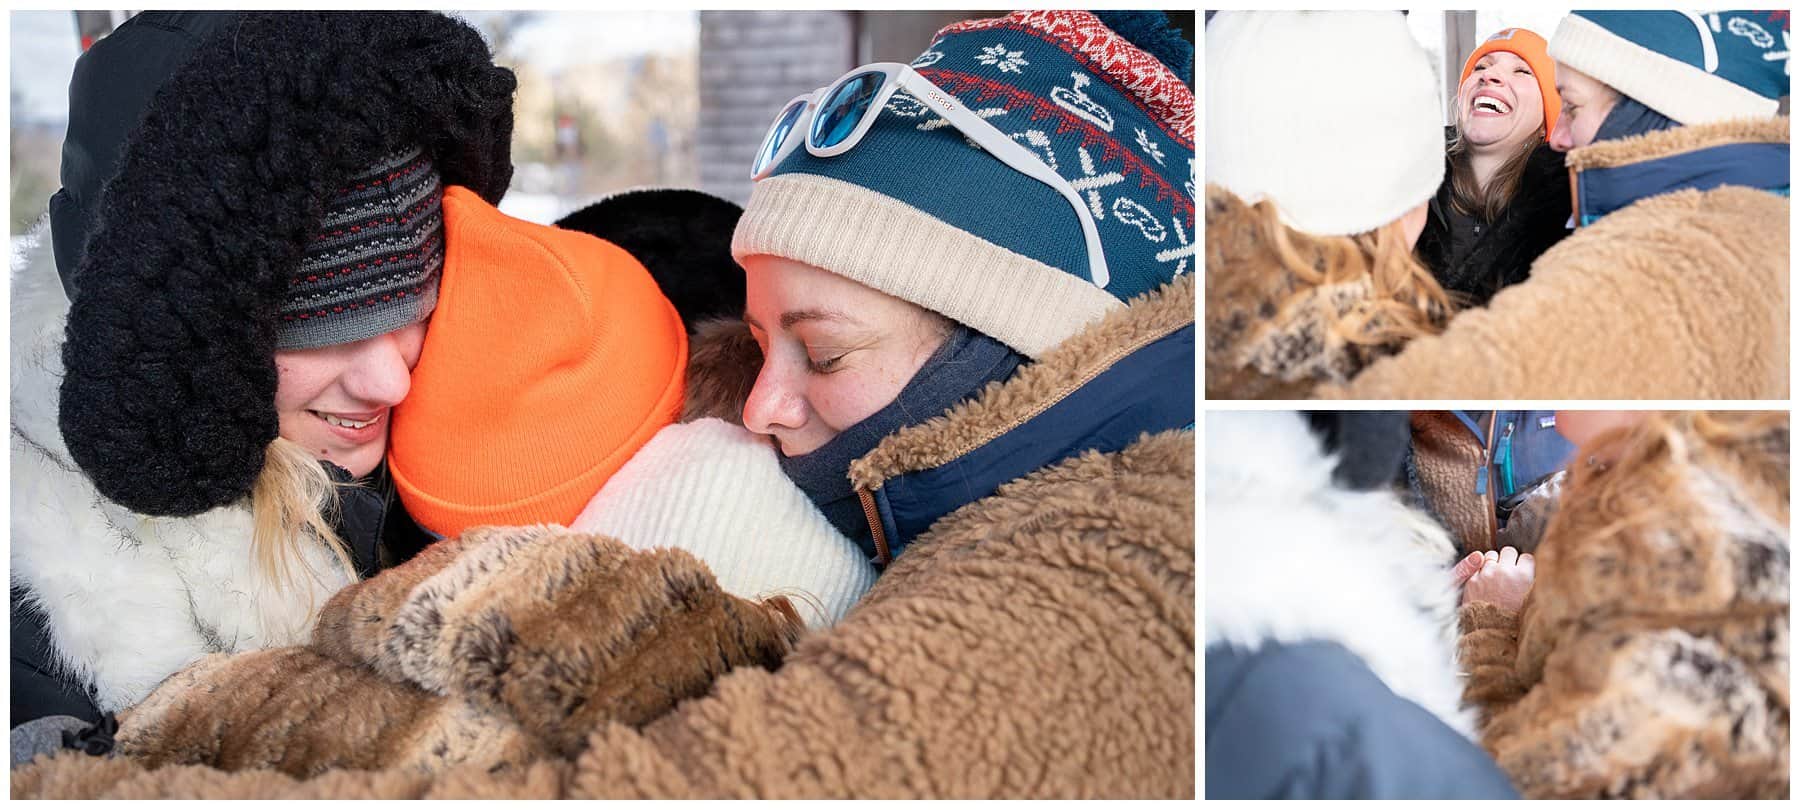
683 237
168 402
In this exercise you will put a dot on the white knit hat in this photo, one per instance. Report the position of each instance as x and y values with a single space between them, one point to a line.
1334 115
716 490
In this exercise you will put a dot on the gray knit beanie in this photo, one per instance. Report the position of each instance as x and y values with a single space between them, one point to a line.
374 264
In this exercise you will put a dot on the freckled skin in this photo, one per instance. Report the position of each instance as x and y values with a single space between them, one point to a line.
873 342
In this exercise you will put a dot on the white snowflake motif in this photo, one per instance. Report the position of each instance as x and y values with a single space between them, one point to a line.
999 56
1149 146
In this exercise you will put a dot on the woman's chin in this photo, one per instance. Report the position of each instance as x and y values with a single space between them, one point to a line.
359 461
1491 134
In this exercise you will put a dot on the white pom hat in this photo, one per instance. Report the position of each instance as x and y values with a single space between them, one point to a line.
1337 116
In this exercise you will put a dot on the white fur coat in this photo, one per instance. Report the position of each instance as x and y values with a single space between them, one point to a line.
129 599
1292 557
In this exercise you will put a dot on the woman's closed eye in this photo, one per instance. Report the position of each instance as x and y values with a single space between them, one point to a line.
823 362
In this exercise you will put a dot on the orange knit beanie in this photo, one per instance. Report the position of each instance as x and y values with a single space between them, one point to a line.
1536 53
552 357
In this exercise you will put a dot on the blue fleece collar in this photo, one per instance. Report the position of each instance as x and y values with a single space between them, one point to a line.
1601 191
1148 391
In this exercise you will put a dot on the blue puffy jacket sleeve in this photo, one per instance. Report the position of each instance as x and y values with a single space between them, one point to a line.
1311 721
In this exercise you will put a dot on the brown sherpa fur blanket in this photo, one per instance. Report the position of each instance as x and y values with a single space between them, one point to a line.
1037 643
1651 659
495 649
1679 296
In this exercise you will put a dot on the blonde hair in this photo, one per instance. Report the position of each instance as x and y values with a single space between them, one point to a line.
292 504
1405 300
1487 202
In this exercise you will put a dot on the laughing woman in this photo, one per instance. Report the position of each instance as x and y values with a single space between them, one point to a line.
1505 197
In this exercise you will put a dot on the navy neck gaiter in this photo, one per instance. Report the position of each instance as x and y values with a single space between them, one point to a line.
959 369
1628 118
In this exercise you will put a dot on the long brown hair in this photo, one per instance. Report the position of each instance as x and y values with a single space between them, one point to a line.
1487 203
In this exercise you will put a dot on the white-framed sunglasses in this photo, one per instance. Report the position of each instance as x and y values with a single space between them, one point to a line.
835 118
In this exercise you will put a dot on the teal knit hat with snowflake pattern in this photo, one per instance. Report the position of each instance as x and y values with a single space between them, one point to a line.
1693 67
918 211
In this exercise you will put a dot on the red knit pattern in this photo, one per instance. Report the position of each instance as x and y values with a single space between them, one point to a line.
391 176
406 216
1111 58
354 305
1014 98
424 248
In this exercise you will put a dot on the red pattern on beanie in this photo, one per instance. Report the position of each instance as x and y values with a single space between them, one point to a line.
1112 58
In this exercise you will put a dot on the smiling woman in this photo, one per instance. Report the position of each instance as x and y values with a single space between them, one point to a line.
1505 197
190 416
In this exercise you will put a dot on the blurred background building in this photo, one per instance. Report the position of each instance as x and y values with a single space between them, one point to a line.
607 101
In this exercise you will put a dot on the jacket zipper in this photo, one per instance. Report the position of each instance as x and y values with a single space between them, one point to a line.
1574 198
874 517
1506 459
1487 469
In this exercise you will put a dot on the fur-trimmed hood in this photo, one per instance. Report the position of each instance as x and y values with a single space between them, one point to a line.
1292 557
169 390
128 598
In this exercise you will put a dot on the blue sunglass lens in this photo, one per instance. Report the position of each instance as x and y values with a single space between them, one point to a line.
778 135
838 116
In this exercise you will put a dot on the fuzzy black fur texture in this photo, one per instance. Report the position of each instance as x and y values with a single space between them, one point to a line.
683 238
168 403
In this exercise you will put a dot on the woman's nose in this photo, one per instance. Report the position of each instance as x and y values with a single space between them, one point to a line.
1560 138
773 403
379 373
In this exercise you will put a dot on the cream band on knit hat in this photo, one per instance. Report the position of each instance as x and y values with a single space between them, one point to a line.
884 243
1336 116
717 491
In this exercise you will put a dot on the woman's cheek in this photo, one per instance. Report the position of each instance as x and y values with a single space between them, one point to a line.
851 395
